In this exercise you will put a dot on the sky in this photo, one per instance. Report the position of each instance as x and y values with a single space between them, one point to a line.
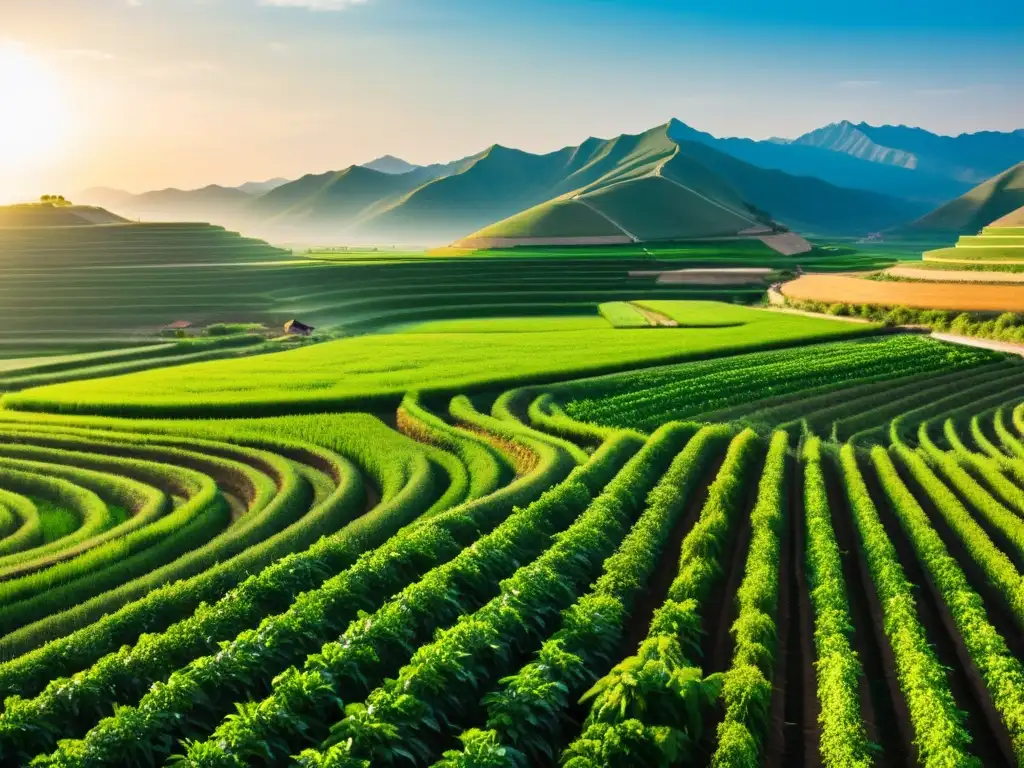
144 94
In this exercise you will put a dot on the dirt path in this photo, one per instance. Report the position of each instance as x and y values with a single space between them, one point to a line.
969 341
955 275
237 505
607 218
787 243
970 261
656 319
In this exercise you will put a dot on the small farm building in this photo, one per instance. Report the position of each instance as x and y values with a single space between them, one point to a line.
295 328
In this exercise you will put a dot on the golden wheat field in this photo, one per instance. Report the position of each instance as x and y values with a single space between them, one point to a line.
853 290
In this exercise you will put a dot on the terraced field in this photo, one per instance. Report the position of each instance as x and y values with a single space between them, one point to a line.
709 562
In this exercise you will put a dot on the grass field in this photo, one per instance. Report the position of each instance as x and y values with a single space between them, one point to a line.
376 370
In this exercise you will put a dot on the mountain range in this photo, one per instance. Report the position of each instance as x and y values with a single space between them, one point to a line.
844 178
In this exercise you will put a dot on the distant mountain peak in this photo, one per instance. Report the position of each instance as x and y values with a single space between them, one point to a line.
390 164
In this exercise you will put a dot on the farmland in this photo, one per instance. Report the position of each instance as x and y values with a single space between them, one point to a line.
521 541
557 516
921 295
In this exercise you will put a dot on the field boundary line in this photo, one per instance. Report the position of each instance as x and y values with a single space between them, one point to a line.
607 218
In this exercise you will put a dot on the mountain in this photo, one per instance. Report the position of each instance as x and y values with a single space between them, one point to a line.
390 164
970 158
259 187
655 186
335 200
967 214
809 156
210 202
844 178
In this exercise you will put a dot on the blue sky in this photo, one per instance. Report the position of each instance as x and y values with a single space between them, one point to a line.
187 92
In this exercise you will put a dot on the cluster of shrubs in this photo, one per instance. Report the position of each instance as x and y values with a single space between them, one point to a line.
1008 326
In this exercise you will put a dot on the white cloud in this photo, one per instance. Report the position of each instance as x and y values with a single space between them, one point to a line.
314 5
278 47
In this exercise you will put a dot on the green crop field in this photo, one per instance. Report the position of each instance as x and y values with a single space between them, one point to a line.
368 371
491 516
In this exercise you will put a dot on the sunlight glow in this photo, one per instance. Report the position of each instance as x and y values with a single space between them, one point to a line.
33 115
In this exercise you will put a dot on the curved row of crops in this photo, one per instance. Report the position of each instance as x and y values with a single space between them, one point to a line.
704 564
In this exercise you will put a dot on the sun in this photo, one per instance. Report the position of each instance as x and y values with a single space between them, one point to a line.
33 117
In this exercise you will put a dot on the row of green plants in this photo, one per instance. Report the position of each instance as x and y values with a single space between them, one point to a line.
747 685
734 380
129 539
994 469
486 466
940 736
303 704
529 712
846 413
546 414
405 489
153 604
949 496
973 395
871 421
144 503
795 407
120 675
91 513
209 685
652 707
1001 671
204 517
408 717
19 522
843 742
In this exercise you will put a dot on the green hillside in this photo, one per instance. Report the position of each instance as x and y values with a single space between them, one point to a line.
967 214
1001 242
442 203
46 215
655 187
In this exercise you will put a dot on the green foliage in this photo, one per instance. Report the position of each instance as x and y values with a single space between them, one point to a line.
660 687
843 740
938 724
622 314
372 372
401 717
747 687
643 399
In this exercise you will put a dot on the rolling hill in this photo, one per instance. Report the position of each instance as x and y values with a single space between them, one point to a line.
967 214
1013 219
45 215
